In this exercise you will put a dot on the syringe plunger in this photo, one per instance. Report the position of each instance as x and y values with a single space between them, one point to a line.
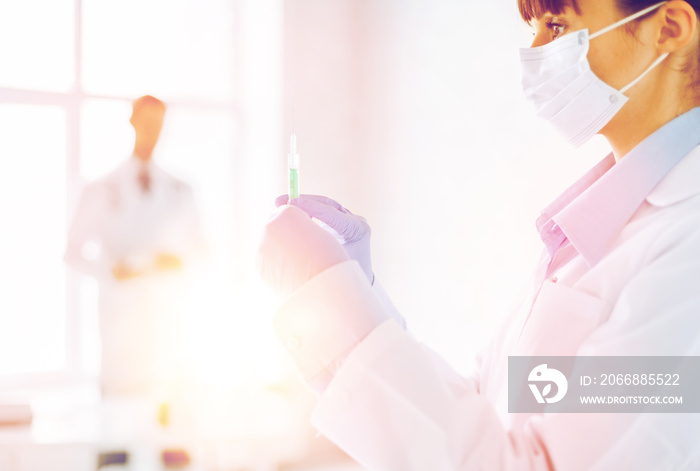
293 158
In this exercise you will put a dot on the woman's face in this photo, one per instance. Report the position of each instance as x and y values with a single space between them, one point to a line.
618 56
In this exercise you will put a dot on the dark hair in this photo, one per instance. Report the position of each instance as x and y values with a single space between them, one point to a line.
629 7
531 9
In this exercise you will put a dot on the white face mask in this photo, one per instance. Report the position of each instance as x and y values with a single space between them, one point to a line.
558 79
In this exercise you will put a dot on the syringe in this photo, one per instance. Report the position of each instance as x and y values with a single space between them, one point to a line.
293 163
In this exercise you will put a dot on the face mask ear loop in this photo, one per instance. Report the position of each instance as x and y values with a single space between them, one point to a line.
626 20
649 69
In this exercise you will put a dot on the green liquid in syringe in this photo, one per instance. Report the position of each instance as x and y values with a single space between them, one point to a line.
293 183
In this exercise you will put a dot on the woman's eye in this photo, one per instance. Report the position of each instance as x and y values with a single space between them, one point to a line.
557 29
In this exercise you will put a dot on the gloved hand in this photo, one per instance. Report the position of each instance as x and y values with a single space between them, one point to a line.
294 250
352 231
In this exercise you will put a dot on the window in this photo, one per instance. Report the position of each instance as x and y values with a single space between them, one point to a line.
69 76
181 49
38 38
32 304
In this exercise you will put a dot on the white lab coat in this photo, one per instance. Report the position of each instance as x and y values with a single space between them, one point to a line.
140 318
394 405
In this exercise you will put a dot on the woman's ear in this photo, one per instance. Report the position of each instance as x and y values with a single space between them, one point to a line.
678 23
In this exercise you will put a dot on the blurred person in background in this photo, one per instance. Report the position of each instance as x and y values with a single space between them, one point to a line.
137 232
618 276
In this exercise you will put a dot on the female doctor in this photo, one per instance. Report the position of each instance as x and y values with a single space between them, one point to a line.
619 274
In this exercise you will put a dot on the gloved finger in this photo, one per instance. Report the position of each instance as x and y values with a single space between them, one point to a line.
336 220
281 200
284 199
349 227
320 207
325 200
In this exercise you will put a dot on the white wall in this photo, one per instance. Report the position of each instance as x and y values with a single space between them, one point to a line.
410 113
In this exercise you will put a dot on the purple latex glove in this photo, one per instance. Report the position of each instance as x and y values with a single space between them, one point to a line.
294 249
352 231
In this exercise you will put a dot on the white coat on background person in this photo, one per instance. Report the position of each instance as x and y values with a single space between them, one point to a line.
619 276
137 232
